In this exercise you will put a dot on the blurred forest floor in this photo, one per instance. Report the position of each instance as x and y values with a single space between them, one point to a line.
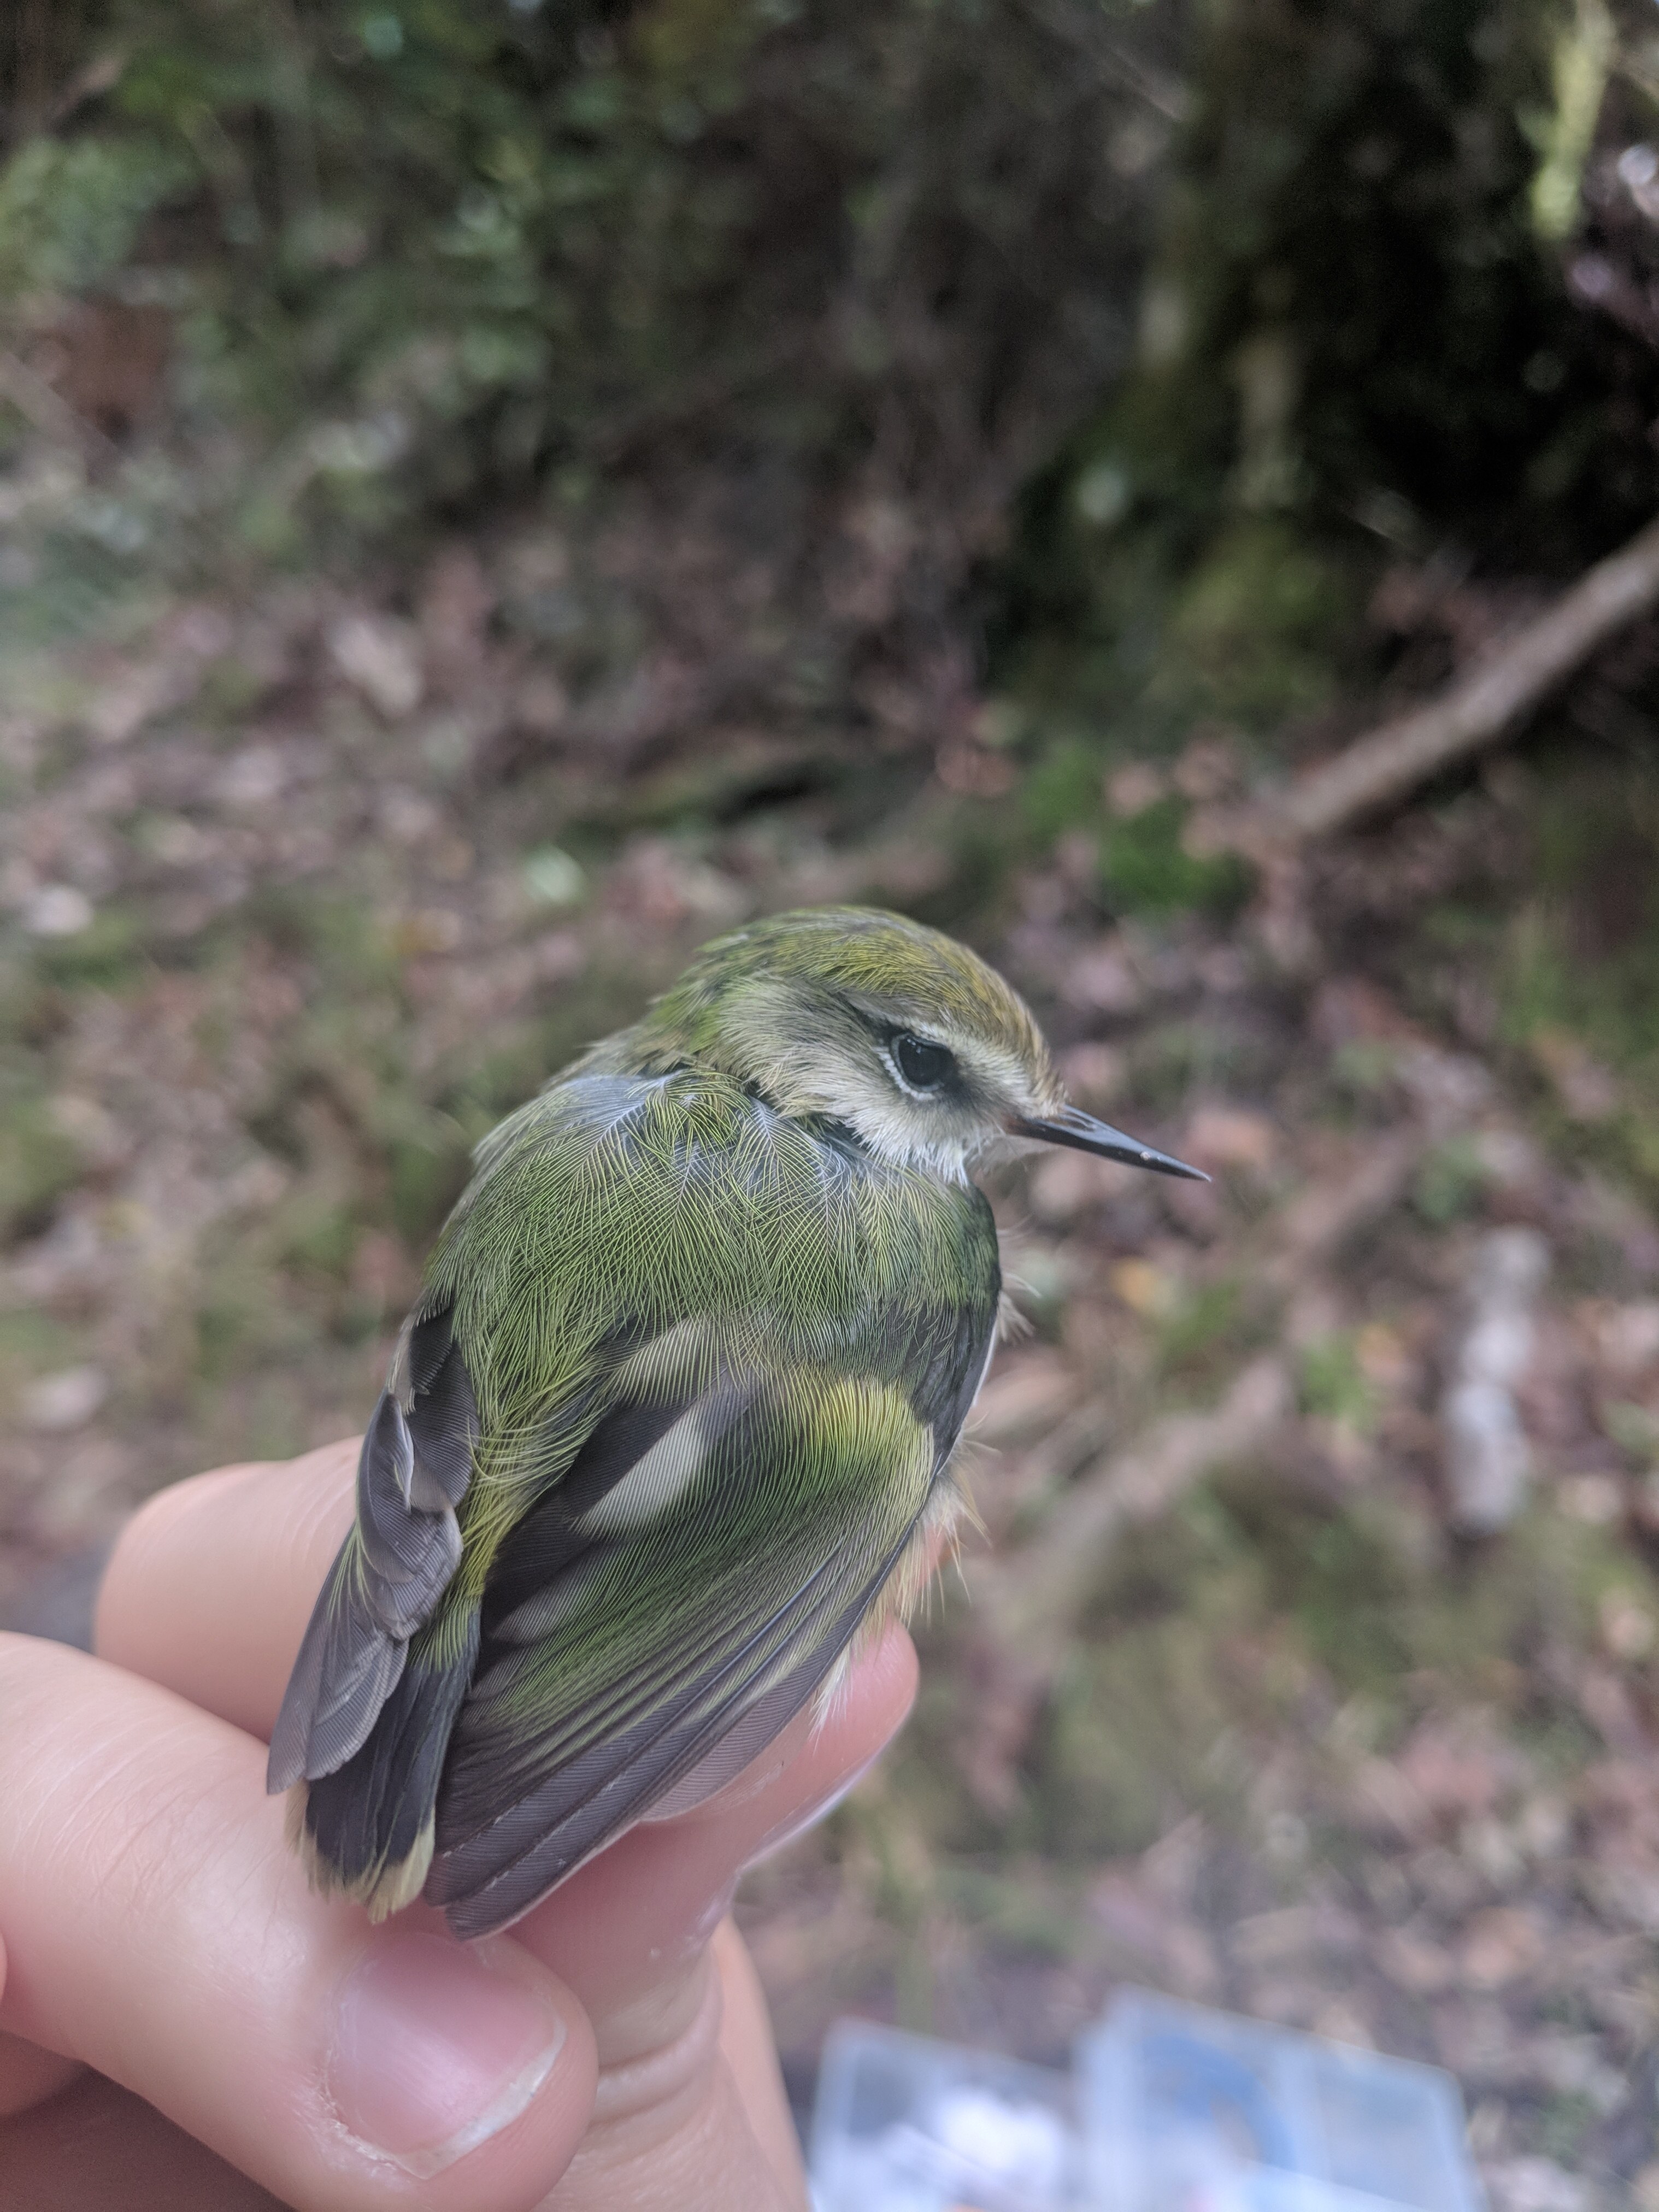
313 868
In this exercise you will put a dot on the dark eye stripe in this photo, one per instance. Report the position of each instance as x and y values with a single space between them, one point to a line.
923 1065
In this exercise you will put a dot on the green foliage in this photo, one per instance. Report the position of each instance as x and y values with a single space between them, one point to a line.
1363 188
443 249
71 212
1355 347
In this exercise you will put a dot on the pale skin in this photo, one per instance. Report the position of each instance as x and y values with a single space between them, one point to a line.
184 2025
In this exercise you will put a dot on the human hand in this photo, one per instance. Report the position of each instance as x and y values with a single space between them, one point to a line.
254 2043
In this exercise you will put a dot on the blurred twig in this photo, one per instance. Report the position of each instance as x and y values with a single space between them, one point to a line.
99 76
1028 1604
47 411
1033 1601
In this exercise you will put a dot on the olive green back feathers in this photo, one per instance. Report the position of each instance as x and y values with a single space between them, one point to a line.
672 1415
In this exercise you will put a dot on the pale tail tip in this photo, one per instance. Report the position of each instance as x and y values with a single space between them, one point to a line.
387 1887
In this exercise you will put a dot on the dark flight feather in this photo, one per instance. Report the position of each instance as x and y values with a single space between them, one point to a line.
392 1571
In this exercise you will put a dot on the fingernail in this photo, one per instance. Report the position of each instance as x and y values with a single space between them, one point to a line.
438 2046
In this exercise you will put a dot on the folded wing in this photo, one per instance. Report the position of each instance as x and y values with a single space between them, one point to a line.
393 1568
679 1613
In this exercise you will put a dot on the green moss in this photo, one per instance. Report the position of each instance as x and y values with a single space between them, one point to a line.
1252 1605
1252 630
1214 1328
33 1343
1364 1068
1565 2123
1349 1588
1377 1601
1145 868
1353 349
1451 1183
1060 792
226 1324
1017 1907
38 1164
1634 1429
276 1421
435 252
104 956
321 1237
1171 1058
1137 1717
229 692
1333 1386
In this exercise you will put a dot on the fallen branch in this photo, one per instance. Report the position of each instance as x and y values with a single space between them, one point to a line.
1033 1602
1026 1609
1319 1219
1476 711
48 412
1027 1603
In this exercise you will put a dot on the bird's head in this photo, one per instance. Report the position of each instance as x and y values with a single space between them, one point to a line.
874 1021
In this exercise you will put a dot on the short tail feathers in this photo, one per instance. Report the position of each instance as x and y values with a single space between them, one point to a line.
395 1886
365 1830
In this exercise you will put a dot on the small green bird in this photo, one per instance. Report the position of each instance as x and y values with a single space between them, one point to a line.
672 1421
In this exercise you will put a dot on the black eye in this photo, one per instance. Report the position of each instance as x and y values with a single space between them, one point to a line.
923 1065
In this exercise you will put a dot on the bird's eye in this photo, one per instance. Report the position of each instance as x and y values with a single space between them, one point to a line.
920 1064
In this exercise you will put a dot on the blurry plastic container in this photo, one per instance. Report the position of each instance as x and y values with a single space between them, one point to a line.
1188 2110
1174 2109
903 2123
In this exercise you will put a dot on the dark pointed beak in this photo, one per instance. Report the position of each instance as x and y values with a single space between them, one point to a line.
1082 1131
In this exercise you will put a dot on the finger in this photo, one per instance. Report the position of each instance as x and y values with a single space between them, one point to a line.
748 2048
211 1582
630 1933
209 1591
651 1902
28 2076
157 1926
99 2145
